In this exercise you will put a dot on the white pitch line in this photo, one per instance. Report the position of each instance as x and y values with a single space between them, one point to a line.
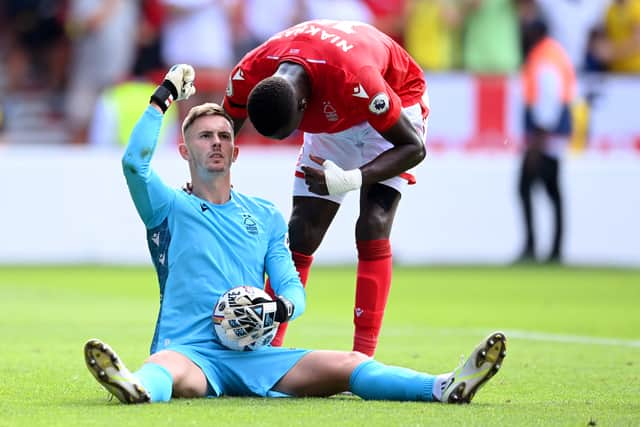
574 339
531 336
397 331
549 337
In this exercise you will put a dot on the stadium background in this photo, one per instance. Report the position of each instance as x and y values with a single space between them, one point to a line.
66 201
573 328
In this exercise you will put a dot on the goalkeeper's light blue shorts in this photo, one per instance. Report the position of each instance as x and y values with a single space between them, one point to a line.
242 373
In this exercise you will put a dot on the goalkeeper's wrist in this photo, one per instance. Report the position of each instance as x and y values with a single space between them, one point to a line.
164 95
284 309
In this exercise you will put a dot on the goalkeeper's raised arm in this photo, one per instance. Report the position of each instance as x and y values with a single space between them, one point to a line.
150 195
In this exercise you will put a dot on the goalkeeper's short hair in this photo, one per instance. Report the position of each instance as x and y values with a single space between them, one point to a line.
271 105
206 109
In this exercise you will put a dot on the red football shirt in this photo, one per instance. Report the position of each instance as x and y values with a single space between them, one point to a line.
357 73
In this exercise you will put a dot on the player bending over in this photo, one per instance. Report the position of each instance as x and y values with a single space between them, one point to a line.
361 101
213 239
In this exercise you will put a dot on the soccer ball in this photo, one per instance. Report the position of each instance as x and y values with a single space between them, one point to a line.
249 328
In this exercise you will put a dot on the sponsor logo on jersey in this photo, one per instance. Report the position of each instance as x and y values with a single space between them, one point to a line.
359 92
379 104
359 311
329 111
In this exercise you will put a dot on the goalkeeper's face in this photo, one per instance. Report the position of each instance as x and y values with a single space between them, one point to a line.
209 145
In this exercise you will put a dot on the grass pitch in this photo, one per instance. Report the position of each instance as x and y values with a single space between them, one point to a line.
573 347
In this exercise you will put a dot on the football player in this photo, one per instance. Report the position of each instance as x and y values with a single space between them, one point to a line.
211 240
361 101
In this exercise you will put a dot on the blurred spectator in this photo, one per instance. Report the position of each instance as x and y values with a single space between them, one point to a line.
103 34
621 47
256 22
594 61
571 22
198 32
349 10
116 114
432 33
390 17
148 57
549 86
491 42
35 47
118 105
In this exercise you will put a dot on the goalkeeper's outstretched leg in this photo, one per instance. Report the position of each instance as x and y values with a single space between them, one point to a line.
163 375
323 373
107 368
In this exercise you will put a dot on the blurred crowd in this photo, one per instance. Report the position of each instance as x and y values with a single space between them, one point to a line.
69 61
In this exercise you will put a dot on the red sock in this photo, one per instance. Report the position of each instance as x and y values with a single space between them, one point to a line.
303 265
372 289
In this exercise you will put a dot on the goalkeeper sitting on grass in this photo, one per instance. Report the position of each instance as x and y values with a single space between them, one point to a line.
212 239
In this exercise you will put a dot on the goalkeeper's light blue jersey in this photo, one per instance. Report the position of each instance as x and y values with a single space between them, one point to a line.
200 249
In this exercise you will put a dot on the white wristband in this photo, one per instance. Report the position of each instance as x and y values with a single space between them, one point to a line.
340 181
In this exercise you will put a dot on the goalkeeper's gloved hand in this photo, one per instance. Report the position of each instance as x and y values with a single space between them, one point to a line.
176 86
248 320
284 308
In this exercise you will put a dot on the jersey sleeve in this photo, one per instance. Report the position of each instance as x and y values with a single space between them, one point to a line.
237 93
283 276
152 198
383 104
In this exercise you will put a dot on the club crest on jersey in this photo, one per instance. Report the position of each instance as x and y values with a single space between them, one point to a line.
379 104
329 111
250 224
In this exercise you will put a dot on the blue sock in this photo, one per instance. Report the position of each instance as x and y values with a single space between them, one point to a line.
372 380
157 380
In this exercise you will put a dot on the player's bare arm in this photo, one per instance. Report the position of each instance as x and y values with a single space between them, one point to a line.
407 152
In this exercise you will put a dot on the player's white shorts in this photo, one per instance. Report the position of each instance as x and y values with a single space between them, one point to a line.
353 148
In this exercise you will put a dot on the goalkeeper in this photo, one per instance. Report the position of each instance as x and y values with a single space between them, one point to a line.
214 238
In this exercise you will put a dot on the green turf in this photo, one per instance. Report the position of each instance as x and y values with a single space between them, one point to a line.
573 356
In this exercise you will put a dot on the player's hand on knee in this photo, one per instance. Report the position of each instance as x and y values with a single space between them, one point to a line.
315 180
177 85
332 179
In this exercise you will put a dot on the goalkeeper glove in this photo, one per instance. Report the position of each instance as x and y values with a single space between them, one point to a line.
247 321
176 86
284 308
